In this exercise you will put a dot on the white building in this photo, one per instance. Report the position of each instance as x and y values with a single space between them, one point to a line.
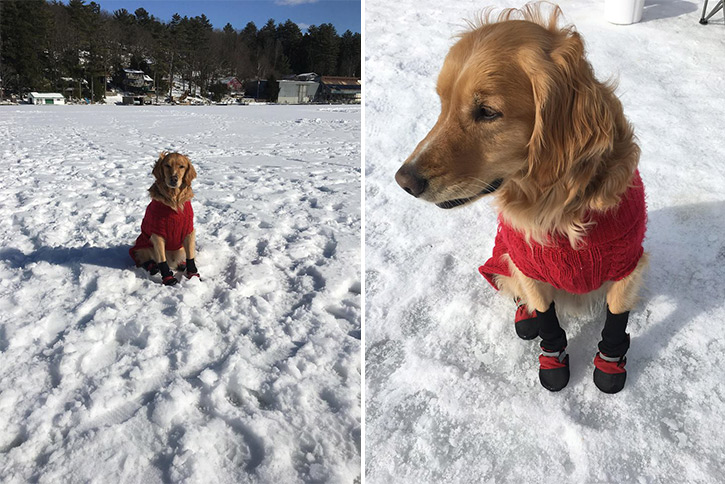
299 89
46 98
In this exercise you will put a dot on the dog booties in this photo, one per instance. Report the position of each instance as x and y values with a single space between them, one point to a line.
609 251
164 221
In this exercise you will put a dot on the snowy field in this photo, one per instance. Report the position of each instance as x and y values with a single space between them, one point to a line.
251 374
452 394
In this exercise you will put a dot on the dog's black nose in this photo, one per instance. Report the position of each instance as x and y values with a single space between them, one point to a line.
174 179
410 180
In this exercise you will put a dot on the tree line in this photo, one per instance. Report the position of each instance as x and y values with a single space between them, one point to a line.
49 45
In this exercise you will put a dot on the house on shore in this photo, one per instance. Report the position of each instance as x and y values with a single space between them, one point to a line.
299 89
337 89
46 98
309 87
135 80
233 84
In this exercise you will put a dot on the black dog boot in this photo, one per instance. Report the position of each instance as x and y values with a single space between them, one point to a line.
166 275
151 267
553 361
526 323
610 374
553 369
191 270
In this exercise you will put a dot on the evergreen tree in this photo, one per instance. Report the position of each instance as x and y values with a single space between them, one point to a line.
272 88
24 27
322 49
73 45
349 59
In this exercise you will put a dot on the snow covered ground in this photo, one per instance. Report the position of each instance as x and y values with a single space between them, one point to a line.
452 394
250 375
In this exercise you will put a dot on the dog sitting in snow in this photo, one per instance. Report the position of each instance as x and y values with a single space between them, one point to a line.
168 238
523 118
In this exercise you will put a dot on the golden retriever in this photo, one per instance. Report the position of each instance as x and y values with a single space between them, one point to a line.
523 118
168 238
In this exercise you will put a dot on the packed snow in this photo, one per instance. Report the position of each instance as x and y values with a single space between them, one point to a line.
452 395
251 374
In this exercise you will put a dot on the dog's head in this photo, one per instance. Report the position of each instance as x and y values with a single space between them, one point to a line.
521 115
173 170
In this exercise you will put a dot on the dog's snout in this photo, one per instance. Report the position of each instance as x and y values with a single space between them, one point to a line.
173 179
410 180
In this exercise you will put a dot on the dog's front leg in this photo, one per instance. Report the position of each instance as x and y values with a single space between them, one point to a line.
190 249
160 257
609 373
539 297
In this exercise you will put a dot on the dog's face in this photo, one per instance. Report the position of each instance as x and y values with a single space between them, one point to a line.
486 120
519 105
173 170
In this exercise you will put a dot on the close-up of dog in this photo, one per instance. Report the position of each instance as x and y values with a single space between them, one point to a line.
168 238
524 118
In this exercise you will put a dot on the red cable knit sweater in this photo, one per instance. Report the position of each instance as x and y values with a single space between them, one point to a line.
164 221
610 250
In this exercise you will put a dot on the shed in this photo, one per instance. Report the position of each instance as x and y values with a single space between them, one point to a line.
298 89
340 89
136 99
297 92
46 98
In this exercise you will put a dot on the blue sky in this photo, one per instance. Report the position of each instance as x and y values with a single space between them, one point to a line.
343 14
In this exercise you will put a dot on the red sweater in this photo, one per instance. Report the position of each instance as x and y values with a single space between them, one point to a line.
610 250
164 221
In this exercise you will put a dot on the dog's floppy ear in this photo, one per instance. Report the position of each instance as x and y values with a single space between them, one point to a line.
189 174
158 170
574 120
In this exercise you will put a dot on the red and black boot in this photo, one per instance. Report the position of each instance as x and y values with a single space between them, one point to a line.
553 369
610 374
191 270
553 361
167 276
151 267
526 323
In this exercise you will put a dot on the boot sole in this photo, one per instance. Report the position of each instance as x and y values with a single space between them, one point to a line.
555 379
609 383
554 382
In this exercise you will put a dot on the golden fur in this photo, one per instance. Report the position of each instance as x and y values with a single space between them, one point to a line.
174 174
521 111
169 165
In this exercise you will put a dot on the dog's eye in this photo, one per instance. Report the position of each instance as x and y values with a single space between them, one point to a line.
485 113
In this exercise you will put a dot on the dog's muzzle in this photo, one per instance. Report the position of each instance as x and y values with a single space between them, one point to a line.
492 187
410 180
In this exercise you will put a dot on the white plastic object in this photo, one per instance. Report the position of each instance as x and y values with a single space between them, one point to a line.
623 12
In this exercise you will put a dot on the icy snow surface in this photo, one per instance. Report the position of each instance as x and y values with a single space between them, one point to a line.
452 393
250 375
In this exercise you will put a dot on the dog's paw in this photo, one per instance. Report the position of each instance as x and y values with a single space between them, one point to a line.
151 267
189 275
170 281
